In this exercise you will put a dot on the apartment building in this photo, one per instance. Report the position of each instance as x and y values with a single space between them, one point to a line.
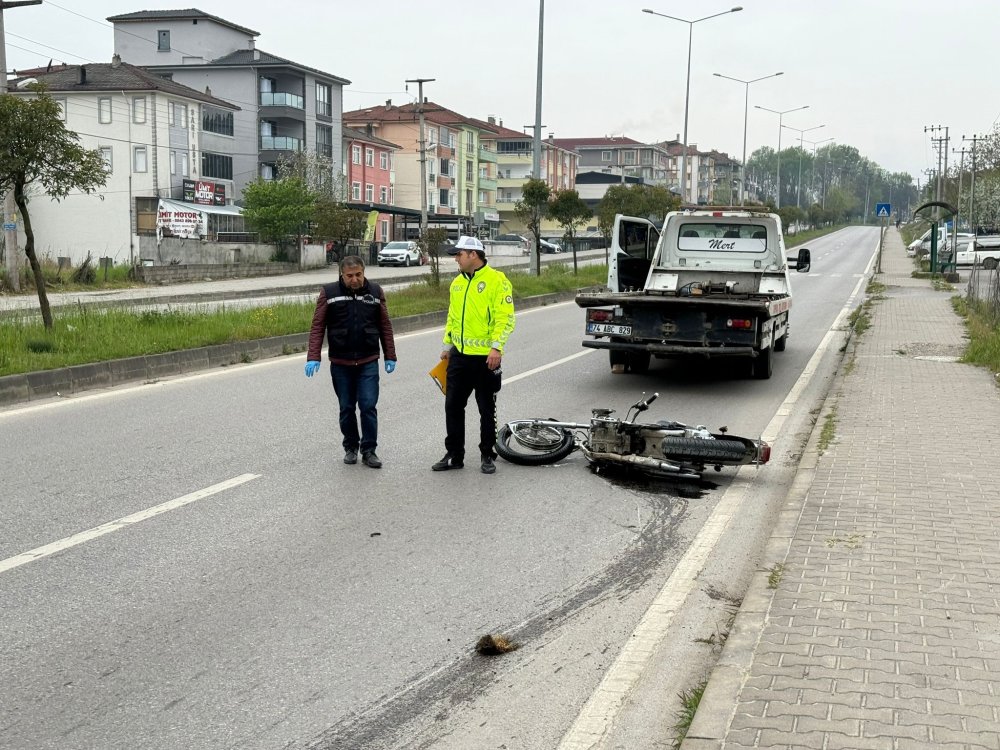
458 189
285 107
370 179
620 155
151 133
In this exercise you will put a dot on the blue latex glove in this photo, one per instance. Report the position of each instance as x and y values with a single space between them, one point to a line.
312 368
390 365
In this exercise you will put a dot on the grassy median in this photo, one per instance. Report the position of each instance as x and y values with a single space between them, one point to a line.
83 335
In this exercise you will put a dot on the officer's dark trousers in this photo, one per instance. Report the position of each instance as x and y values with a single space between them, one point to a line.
468 374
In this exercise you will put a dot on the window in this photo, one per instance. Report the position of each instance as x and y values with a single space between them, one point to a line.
445 171
468 200
355 154
605 156
443 197
383 159
62 108
468 171
163 40
177 114
215 120
324 140
104 110
369 157
322 99
628 157
173 162
106 157
470 142
267 172
482 196
385 230
139 109
432 137
369 193
383 194
139 159
355 191
185 171
218 166
451 140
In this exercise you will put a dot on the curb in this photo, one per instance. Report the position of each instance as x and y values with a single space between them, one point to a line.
719 702
32 386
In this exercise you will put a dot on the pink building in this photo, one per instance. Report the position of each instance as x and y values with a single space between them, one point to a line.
371 177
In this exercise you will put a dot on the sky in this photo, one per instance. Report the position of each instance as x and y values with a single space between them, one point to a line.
874 74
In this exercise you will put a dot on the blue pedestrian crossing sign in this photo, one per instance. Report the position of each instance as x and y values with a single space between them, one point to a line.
883 210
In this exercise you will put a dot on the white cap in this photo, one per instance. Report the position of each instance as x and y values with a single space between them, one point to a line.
466 243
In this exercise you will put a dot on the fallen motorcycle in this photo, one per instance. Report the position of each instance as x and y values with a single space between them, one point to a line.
665 449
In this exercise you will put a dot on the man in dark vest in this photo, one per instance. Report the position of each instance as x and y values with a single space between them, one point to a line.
353 316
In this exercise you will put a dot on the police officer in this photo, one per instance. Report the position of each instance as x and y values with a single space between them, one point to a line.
480 320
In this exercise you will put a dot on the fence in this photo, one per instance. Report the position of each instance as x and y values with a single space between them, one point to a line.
983 290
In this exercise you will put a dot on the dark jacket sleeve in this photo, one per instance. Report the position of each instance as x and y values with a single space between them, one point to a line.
318 329
385 328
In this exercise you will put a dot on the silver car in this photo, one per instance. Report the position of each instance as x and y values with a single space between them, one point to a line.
399 253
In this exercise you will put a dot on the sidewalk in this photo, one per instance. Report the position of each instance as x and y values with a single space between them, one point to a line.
293 284
882 629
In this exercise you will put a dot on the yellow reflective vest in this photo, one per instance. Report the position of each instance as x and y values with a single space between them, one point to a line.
480 312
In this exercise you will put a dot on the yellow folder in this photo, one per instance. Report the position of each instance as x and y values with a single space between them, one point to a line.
439 374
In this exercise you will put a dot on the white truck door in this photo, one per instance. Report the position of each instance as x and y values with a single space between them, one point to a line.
633 243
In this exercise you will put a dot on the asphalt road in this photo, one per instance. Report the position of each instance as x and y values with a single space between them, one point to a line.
258 593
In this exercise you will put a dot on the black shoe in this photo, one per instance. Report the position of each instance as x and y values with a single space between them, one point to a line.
448 462
351 456
370 460
487 466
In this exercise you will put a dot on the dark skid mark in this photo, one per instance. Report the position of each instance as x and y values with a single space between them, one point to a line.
418 716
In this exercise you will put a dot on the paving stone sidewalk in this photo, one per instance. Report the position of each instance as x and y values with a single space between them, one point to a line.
883 629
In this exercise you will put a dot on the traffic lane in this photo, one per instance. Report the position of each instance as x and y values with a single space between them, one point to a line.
187 622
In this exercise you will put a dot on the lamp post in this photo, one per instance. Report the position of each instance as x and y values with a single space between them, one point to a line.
687 87
746 109
815 144
780 113
798 186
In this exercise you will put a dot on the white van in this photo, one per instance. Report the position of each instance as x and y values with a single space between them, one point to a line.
922 245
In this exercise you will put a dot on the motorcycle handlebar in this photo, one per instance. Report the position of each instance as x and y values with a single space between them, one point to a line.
644 403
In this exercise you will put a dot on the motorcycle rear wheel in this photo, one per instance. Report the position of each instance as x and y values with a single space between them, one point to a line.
533 445
705 451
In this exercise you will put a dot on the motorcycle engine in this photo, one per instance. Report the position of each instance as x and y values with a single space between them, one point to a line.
605 437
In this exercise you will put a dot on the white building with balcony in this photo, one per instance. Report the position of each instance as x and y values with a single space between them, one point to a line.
284 106
149 132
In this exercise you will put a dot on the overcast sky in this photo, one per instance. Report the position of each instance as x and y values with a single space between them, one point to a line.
873 73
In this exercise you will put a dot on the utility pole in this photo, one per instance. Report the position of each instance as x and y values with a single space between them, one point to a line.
942 148
11 249
423 154
536 150
972 188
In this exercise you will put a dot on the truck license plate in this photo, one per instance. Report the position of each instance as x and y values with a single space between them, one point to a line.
609 328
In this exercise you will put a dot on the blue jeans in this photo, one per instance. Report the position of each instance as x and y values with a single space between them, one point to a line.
356 387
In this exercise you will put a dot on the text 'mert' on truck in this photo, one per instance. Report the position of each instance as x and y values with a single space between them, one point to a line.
713 282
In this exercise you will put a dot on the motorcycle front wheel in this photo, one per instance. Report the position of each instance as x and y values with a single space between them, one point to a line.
530 444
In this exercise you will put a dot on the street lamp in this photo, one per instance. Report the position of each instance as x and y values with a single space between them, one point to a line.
798 186
746 106
687 87
780 114
814 145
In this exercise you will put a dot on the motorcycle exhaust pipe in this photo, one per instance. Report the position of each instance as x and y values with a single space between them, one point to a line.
643 462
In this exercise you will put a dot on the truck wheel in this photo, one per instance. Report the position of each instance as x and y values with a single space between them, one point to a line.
989 263
763 364
637 362
779 345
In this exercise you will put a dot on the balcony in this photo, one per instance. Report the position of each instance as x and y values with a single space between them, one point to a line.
485 183
486 155
273 99
280 143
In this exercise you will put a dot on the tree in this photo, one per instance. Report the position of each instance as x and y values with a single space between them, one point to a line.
36 151
431 244
335 221
567 208
278 209
531 209
316 171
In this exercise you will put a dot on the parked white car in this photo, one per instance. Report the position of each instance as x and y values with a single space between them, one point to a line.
399 253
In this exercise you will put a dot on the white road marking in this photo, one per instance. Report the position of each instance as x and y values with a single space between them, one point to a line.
598 714
550 365
98 531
